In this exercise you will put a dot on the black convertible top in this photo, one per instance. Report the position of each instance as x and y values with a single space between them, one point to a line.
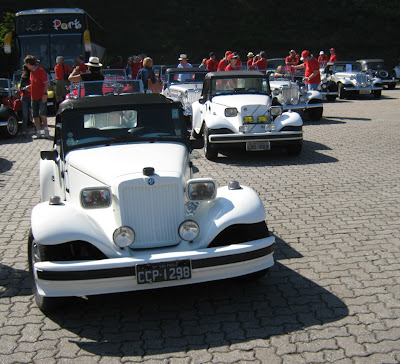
115 102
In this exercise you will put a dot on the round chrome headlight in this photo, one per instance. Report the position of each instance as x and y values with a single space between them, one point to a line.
124 236
189 230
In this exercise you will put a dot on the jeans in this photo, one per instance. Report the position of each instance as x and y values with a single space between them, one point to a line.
25 106
312 86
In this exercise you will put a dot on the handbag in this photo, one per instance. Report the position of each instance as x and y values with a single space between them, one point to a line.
154 87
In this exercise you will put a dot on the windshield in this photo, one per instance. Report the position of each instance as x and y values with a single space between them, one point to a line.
348 67
36 45
186 77
116 126
114 74
104 88
245 85
67 45
377 66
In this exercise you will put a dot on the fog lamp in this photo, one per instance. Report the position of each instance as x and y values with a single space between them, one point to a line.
244 128
124 236
189 230
248 119
262 118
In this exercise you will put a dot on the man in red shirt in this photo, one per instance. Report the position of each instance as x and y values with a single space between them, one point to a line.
232 66
38 88
311 65
212 63
224 61
81 64
333 57
261 63
322 59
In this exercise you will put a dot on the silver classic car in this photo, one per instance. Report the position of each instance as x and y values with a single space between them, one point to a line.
351 81
184 85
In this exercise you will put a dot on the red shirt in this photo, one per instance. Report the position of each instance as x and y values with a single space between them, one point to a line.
261 64
333 58
291 60
222 65
212 65
250 62
135 69
311 66
38 79
229 67
61 70
323 60
82 67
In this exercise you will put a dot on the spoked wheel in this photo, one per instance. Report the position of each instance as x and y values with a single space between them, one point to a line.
39 253
210 151
11 129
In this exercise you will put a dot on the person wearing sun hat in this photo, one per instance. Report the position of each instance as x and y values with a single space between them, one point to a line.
311 65
94 74
183 61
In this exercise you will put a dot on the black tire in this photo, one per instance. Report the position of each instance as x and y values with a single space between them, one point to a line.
210 151
37 252
341 91
315 113
377 94
391 86
295 148
331 97
195 135
11 129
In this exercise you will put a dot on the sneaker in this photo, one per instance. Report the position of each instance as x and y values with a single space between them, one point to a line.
46 133
38 135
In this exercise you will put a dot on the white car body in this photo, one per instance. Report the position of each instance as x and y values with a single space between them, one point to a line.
350 79
184 85
150 186
252 119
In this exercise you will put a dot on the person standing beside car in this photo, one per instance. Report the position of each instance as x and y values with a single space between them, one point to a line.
262 62
322 59
183 61
147 73
333 57
25 99
38 87
212 62
311 65
62 72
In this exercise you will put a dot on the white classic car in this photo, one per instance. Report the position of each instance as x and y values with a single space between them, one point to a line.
350 80
236 108
121 211
184 85
296 97
377 67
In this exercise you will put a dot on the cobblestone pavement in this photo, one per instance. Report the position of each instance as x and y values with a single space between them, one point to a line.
333 295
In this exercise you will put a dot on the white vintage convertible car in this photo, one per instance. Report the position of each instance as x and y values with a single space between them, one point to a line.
351 80
121 210
236 109
184 85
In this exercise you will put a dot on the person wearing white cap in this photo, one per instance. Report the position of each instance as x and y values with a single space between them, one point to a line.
183 61
322 59
94 74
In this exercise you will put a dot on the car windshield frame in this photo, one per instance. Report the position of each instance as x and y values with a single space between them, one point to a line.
236 84
105 87
179 77
345 67
91 127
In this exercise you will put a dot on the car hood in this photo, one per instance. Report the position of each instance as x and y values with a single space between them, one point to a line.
106 163
240 100
186 86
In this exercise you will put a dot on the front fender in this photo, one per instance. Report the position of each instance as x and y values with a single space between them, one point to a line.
242 206
288 119
57 224
311 95
197 116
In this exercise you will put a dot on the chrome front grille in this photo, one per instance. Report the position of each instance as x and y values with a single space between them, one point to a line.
290 93
193 95
153 212
361 79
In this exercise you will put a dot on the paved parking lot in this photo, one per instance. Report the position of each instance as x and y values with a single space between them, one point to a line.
333 295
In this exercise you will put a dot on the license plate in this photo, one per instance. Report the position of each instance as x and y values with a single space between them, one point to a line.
365 92
164 271
254 146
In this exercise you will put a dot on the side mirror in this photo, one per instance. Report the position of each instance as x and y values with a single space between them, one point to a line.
50 155
202 100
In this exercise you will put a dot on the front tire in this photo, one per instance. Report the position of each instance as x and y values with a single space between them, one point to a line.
295 148
341 91
11 129
315 114
210 151
39 253
377 94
